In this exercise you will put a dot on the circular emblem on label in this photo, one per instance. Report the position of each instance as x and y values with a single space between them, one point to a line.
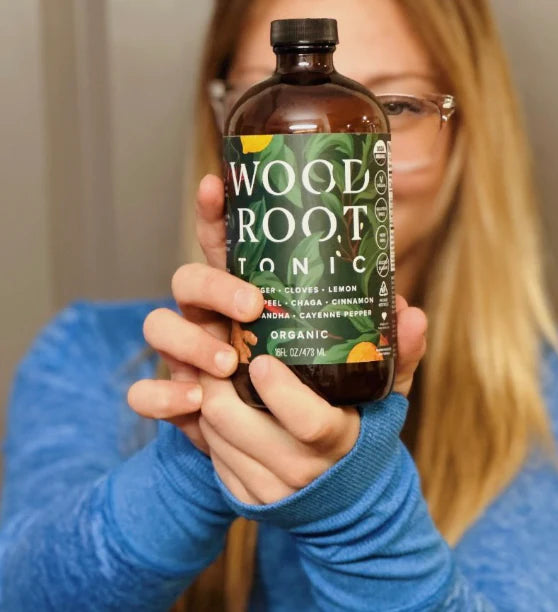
382 237
381 210
382 264
380 152
380 182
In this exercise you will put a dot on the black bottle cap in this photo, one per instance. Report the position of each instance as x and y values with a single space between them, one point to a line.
293 32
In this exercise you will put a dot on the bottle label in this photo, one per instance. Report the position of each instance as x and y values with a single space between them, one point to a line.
310 222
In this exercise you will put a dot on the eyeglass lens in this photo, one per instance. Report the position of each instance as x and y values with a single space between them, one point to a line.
415 126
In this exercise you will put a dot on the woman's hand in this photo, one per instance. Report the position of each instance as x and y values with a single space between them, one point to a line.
208 298
303 437
264 457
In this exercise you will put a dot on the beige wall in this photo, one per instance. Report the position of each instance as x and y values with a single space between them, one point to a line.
154 52
26 292
529 29
95 123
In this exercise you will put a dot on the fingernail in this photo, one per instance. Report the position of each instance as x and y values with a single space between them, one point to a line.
259 367
226 361
194 395
246 301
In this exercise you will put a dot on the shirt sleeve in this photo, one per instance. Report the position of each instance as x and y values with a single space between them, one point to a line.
367 542
82 527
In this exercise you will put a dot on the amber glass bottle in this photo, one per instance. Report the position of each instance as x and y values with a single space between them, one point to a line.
309 221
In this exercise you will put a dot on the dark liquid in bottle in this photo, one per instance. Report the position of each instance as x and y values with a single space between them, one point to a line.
307 95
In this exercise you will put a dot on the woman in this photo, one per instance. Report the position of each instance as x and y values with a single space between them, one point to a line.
101 511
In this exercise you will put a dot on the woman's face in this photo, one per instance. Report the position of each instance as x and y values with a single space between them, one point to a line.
379 49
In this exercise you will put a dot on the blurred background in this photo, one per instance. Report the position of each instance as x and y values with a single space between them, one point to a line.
95 124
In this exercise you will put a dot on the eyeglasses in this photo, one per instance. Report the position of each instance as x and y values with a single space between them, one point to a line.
416 121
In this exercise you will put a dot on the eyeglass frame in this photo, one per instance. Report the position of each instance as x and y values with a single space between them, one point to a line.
445 103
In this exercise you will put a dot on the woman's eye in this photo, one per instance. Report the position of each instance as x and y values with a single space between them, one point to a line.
399 107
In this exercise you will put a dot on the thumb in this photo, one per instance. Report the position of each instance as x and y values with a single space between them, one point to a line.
210 220
411 340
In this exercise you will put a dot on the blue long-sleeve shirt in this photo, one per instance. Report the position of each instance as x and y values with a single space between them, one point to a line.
104 510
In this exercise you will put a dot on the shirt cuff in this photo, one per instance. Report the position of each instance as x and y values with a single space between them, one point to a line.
346 482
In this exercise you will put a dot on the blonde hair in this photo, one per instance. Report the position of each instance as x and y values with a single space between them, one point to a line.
481 404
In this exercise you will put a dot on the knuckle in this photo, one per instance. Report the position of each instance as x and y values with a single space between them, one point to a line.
212 411
212 281
177 279
152 323
186 351
348 436
268 497
268 493
182 278
301 476
322 432
195 282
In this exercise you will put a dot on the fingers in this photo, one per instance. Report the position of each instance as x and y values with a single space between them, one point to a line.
210 222
167 399
232 482
257 480
200 285
164 399
400 303
168 332
179 371
180 403
258 434
411 339
303 413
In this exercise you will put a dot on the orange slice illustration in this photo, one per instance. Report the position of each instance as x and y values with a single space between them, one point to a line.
364 351
255 144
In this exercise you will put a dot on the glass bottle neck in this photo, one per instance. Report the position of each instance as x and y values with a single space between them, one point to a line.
305 59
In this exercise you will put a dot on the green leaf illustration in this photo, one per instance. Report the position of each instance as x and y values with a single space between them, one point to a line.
344 332
340 352
332 201
318 146
308 247
335 354
272 151
364 155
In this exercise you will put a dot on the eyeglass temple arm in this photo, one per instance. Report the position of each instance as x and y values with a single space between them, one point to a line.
217 93
447 106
